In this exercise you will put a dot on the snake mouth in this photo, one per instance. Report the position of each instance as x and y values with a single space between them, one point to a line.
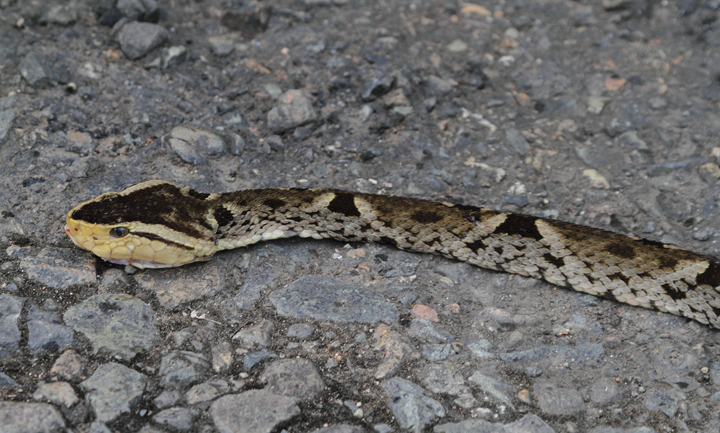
72 238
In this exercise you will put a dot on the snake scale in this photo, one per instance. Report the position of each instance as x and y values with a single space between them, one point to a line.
157 224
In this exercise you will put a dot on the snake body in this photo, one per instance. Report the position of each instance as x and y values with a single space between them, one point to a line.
157 224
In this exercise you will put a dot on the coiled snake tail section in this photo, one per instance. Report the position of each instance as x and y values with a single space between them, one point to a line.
627 269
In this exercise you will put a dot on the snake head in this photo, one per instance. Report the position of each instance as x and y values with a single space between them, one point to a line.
149 225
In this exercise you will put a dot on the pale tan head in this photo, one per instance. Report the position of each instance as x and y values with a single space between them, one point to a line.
153 224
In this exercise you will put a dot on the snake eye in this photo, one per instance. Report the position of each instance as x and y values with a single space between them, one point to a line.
118 232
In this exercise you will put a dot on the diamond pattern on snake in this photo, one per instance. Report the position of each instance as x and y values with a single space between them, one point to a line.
156 224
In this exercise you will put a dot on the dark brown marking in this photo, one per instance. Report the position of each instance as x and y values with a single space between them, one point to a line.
624 251
673 293
666 261
222 216
343 203
388 241
162 204
711 275
557 261
621 277
476 245
427 217
519 224
274 203
198 195
154 237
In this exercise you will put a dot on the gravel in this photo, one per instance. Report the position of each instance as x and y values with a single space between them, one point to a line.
596 113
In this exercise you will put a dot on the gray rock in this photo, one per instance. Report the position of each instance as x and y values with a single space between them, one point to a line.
60 268
258 335
137 39
470 425
46 336
176 287
556 400
301 331
406 267
57 393
68 366
201 141
255 411
436 86
222 356
114 280
297 378
457 46
412 408
715 373
206 391
173 56
316 47
6 121
137 9
257 278
150 429
528 424
633 141
545 355
666 402
517 141
611 5
34 69
494 387
37 313
425 330
192 144
376 87
182 368
99 427
30 418
341 428
177 418
62 15
382 428
275 142
658 103
621 430
237 144
326 298
663 168
443 378
6 382
253 358
186 152
590 353
113 390
222 45
437 352
167 399
10 309
604 391
293 109
116 324
480 348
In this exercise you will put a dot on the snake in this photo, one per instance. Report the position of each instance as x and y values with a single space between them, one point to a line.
157 224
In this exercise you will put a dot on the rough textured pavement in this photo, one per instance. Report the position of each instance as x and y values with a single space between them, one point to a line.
598 112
